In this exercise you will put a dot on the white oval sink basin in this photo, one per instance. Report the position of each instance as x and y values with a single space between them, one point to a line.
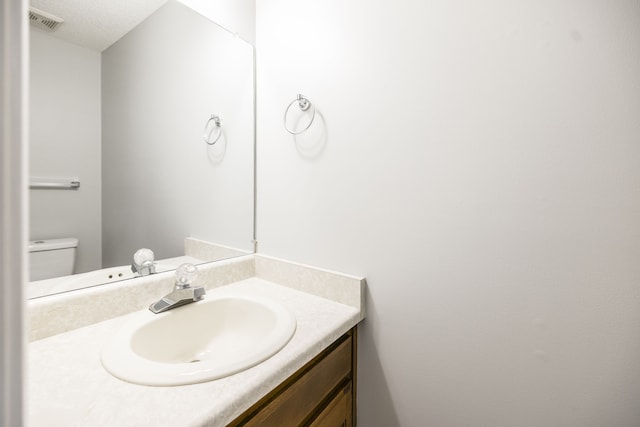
198 342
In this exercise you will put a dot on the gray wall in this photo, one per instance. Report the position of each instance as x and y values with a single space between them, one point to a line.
13 210
64 127
479 163
161 182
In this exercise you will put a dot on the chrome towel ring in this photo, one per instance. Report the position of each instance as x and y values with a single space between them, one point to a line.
304 105
216 122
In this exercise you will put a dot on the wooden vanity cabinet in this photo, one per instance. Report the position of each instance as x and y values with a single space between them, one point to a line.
320 394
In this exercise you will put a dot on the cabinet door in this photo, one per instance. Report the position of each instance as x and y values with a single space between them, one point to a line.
291 406
338 413
301 400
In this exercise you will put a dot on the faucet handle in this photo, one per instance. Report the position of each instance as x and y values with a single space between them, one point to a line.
143 262
143 255
185 275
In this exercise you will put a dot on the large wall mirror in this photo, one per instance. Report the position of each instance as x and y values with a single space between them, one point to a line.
127 120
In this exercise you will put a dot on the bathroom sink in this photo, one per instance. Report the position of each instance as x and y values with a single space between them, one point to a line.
203 341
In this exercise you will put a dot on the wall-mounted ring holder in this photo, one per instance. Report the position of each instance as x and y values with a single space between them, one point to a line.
207 133
304 104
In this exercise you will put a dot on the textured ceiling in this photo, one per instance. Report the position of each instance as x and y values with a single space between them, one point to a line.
97 24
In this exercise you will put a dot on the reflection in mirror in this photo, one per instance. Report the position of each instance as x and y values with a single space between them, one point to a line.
128 124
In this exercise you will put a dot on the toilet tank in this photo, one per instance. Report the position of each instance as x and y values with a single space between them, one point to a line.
51 258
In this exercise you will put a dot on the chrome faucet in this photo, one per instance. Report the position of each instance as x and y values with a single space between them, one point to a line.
143 262
182 293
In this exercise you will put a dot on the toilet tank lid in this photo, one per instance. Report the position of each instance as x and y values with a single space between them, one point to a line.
52 244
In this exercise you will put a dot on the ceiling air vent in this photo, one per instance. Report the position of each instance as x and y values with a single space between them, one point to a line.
44 20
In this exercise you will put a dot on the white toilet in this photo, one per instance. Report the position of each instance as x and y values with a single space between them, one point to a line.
51 258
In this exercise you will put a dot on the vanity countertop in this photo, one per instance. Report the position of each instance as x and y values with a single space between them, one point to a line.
67 385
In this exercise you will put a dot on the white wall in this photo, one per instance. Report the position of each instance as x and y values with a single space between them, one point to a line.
162 183
64 124
479 163
238 16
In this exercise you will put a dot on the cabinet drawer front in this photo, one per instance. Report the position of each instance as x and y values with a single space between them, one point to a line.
293 405
338 412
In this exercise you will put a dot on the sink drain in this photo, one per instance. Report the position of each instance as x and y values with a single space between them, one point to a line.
195 360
